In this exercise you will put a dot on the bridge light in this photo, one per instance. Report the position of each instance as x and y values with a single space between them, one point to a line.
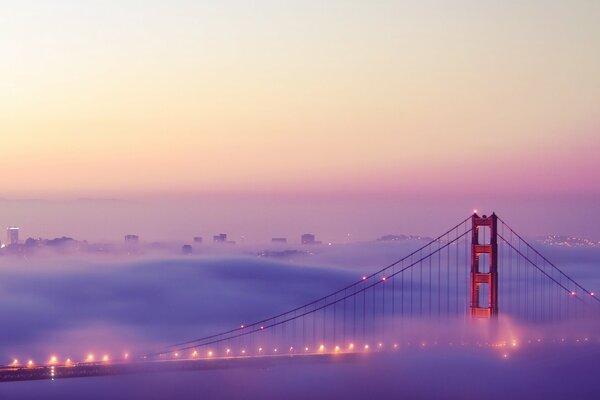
243 351
228 351
126 356
366 347
592 294
105 358
351 346
292 348
195 353
68 362
90 358
30 363
15 361
337 348
364 278
176 354
514 343
242 326
210 353
53 360
380 345
475 211
262 327
322 347
383 279
306 349
572 293
260 349
275 350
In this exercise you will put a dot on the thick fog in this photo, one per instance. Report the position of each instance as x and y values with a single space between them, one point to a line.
77 305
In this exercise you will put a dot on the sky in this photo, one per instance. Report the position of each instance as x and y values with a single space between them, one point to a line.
250 107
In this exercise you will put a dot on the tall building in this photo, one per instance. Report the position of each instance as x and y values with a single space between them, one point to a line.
220 238
132 238
308 238
12 235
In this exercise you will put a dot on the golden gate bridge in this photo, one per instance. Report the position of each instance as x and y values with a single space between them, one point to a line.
479 270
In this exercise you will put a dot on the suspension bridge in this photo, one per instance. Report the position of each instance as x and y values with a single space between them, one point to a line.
478 271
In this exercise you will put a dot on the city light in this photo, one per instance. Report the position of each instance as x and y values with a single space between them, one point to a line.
53 360
194 353
260 349
228 351
322 347
364 278
210 353
337 348
366 347
572 293
126 356
15 361
351 346
30 363
105 358
90 358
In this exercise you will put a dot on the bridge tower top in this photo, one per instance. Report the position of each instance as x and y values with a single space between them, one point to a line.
484 247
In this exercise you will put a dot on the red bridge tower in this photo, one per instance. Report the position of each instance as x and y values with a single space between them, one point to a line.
484 275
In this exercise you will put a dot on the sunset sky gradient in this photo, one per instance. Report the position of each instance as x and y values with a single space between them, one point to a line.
372 102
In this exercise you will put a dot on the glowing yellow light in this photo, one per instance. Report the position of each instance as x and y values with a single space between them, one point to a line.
176 354
514 343
228 351
243 351
275 350
68 362
366 347
322 347
351 346
306 349
195 353
337 348
90 358
15 361
259 349
105 358
53 359
210 353
30 363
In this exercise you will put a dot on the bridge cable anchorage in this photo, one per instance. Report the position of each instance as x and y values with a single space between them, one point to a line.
246 332
548 261
356 283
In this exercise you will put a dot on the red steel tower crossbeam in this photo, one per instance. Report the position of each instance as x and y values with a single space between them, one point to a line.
479 278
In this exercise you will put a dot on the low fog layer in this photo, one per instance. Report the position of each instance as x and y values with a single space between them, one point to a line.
106 305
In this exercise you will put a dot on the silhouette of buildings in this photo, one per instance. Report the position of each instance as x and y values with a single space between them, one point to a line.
197 239
309 238
12 235
131 239
279 240
220 238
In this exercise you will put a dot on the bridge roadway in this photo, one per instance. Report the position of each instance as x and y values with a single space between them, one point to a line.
82 370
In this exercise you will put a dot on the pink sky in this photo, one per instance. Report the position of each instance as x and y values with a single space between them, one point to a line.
369 103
